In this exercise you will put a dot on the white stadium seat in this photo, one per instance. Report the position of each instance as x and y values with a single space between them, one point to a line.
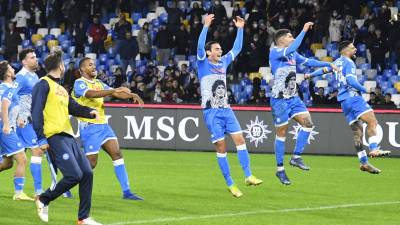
366 97
396 99
320 53
321 83
142 21
91 55
135 33
229 11
183 62
369 84
113 21
160 10
151 16
107 26
55 31
43 31
226 4
299 78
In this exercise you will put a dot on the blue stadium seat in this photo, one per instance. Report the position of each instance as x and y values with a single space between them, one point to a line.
71 50
87 49
136 16
26 43
66 56
156 23
110 62
391 91
102 67
365 66
243 10
384 85
362 50
207 5
394 79
334 54
389 72
16 65
135 27
103 59
163 17
65 45
111 52
398 4
249 90
49 37
379 79
62 38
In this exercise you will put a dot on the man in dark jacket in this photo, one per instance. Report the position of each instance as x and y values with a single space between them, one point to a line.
128 52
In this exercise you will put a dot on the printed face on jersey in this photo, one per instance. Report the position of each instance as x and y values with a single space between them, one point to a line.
30 61
215 53
218 97
290 82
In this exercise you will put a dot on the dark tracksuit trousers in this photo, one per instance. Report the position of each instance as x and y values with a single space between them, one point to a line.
75 167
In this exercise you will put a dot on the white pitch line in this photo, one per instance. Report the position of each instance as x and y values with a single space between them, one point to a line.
265 211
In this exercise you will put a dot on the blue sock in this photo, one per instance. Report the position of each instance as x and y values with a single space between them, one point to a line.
224 166
302 140
122 175
362 156
279 150
36 171
19 183
244 159
373 143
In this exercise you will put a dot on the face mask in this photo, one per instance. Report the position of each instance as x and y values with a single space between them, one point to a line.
255 26
281 20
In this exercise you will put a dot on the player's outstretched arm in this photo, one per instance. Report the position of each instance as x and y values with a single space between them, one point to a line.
75 109
201 52
128 95
81 89
238 44
318 73
5 104
39 98
297 42
352 81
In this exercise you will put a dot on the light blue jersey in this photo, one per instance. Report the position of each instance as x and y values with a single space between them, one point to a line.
24 82
8 93
347 70
213 76
283 63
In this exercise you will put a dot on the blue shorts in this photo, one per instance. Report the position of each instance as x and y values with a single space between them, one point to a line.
27 136
220 122
10 144
285 109
354 107
93 136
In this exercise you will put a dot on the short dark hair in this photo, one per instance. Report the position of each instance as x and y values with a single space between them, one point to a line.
344 44
388 94
83 60
24 52
3 69
53 60
280 33
209 44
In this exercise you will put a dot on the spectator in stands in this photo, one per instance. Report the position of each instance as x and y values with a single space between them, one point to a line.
21 18
196 12
79 35
332 98
231 97
183 75
175 17
237 11
70 77
320 98
349 28
182 41
144 42
255 15
373 101
256 53
379 96
176 98
388 103
11 41
335 25
157 96
120 78
142 92
164 42
128 52
98 33
74 15
120 29
219 12
37 17
378 50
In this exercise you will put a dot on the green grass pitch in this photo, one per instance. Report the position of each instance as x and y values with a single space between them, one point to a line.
183 188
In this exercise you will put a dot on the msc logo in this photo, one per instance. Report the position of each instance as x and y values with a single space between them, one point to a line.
256 131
